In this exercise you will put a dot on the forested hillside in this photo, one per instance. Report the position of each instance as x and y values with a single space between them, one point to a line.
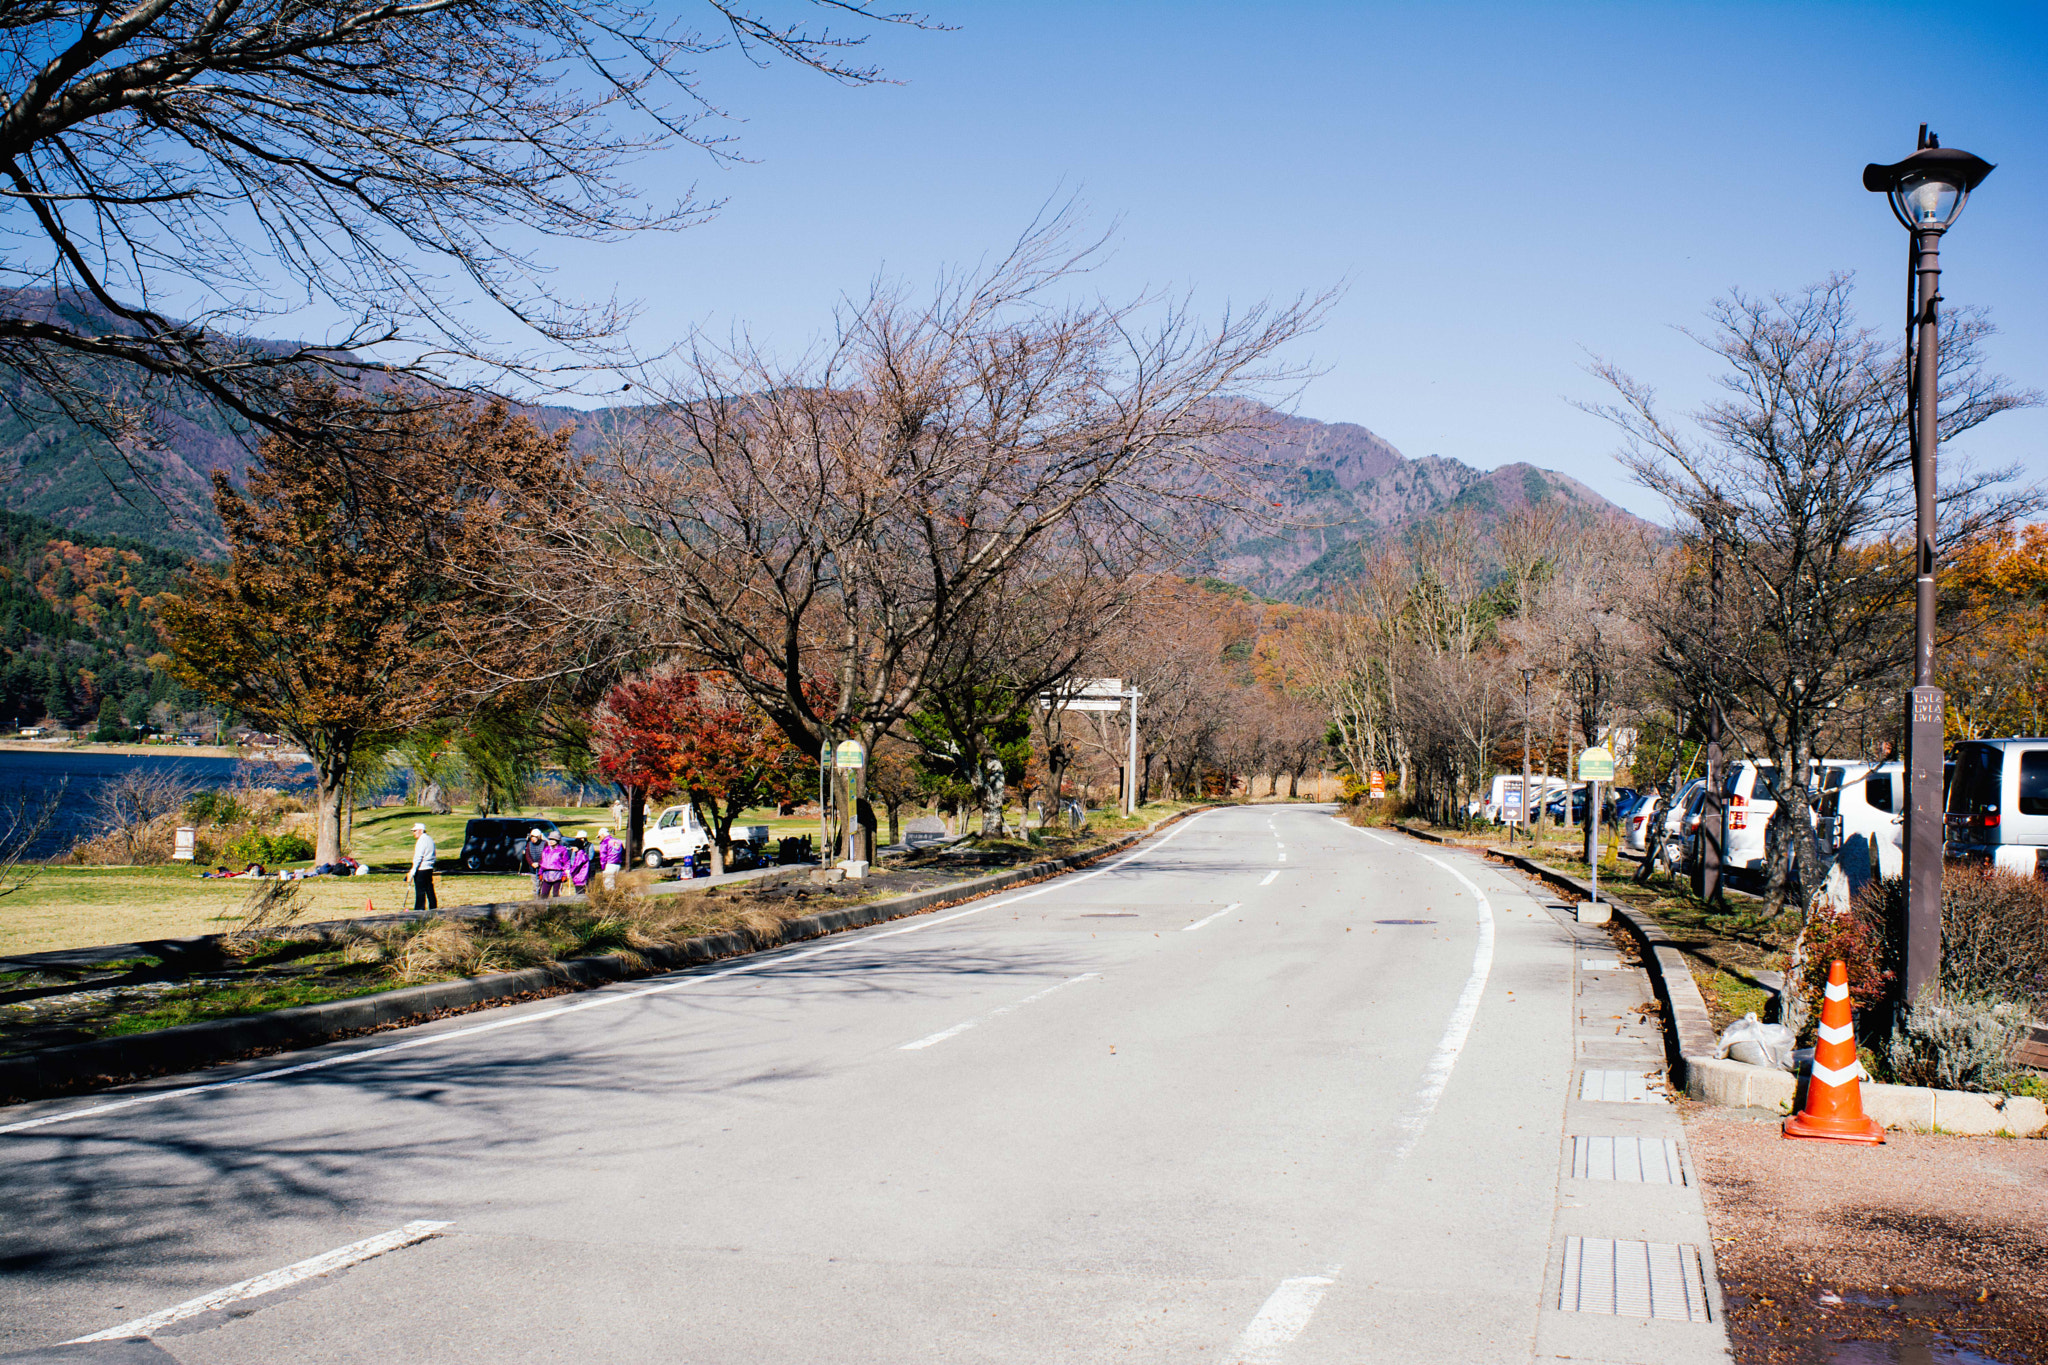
78 628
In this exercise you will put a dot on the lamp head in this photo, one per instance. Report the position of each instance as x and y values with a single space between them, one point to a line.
1929 188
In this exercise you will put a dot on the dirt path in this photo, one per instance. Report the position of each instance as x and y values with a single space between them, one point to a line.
1930 1249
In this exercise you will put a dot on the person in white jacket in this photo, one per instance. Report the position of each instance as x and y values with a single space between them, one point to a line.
421 873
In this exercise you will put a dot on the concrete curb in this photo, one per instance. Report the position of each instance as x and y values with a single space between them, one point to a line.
188 1047
1715 1080
1688 1028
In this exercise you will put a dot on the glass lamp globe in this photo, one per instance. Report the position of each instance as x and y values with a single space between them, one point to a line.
1925 201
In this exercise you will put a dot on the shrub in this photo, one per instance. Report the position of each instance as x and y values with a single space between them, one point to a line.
1994 932
1860 941
1962 1040
216 808
268 849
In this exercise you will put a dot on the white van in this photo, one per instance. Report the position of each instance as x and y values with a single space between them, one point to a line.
1867 802
1751 792
1998 803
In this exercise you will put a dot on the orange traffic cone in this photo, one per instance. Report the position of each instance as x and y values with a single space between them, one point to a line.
368 907
1834 1094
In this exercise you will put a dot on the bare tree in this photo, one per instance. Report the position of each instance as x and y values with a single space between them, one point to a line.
1802 475
127 803
26 814
388 160
826 531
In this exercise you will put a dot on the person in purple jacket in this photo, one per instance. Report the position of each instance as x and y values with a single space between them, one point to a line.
579 861
611 856
554 866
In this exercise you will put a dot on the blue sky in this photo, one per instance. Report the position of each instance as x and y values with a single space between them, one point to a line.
1504 189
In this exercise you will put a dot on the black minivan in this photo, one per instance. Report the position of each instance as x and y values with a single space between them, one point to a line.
492 844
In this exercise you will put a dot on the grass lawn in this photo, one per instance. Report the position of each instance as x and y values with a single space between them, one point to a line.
77 907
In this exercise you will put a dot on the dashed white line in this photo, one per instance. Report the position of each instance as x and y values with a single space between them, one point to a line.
1285 1313
324 1264
943 1034
592 1002
1268 882
1210 919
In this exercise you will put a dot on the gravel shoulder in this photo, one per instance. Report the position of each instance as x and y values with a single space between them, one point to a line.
1928 1248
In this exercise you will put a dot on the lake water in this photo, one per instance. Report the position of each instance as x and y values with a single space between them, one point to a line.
82 775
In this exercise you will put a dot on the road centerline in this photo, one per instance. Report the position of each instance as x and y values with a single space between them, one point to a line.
943 1034
1209 919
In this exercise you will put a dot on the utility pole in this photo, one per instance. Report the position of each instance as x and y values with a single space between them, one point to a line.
1713 812
1528 804
1131 763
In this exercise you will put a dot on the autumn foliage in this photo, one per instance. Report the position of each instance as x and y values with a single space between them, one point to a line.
341 616
688 735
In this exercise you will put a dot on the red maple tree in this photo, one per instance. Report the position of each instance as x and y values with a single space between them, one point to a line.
690 735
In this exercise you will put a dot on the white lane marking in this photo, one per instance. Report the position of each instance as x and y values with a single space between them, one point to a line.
324 1264
1283 857
594 1001
1268 882
1437 1074
1285 1313
1210 919
943 1034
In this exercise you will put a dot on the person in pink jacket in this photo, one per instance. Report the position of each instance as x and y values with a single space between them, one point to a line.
579 860
554 866
611 857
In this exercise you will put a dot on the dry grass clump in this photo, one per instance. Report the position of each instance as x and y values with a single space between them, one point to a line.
626 921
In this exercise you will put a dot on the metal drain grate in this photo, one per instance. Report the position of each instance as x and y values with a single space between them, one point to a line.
1633 1280
1638 1160
1618 1087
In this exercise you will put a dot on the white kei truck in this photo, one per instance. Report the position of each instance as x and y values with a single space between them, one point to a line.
679 834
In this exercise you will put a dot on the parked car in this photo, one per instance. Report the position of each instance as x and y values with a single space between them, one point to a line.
1555 807
1867 801
1998 803
675 838
1682 826
492 843
1636 817
678 836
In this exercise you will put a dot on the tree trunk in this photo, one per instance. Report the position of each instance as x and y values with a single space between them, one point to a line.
636 824
1293 785
330 777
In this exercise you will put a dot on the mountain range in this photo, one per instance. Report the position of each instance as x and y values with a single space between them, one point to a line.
1335 491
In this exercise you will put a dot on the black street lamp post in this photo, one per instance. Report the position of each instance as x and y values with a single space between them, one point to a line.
1927 190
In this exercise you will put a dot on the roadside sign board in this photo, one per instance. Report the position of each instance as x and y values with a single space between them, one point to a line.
1379 786
183 850
1091 694
1596 765
850 754
1511 797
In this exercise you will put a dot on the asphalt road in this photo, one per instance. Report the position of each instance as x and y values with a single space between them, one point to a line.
1212 1101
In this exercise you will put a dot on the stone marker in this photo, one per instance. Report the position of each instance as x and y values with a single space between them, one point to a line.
923 831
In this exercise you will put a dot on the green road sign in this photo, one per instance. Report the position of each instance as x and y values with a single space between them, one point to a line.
850 754
1596 765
